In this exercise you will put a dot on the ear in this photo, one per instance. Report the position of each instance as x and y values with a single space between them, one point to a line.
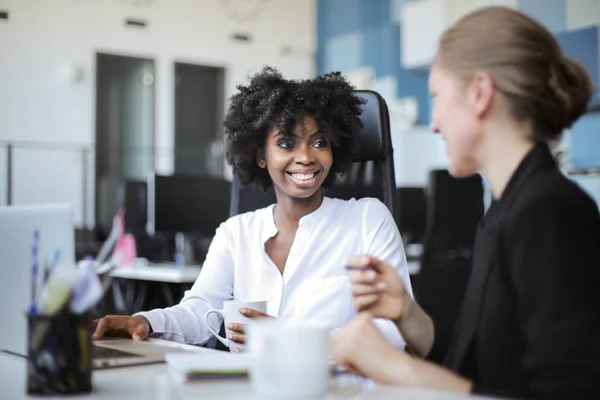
260 158
481 92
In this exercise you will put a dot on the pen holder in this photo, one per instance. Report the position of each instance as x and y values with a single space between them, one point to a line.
59 354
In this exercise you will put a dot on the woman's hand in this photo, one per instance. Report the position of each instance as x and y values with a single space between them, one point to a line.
360 348
378 289
237 331
137 327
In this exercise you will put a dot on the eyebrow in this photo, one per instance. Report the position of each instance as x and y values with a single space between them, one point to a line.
315 133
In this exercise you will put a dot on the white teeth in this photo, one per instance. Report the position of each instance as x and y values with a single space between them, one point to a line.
304 177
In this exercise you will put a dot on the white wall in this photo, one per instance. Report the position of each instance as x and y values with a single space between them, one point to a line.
582 13
42 38
417 151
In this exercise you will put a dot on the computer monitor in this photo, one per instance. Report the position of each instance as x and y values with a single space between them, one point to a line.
133 197
411 213
188 204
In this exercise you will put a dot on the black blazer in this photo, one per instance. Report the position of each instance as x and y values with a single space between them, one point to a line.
530 322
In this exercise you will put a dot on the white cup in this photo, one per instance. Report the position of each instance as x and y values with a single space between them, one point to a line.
231 315
288 360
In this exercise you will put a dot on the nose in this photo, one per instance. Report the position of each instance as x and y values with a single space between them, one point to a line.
434 127
304 155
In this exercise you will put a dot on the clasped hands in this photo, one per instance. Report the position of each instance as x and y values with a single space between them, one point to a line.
378 292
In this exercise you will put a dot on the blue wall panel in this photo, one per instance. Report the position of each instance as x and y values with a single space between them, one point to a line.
585 142
413 83
343 53
375 13
360 33
551 13
582 45
382 49
363 33
339 16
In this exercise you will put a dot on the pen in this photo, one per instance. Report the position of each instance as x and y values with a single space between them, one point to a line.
55 260
34 272
355 268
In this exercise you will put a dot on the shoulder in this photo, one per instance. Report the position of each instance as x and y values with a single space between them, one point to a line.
367 210
551 194
363 205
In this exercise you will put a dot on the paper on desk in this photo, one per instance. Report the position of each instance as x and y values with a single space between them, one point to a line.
185 367
87 290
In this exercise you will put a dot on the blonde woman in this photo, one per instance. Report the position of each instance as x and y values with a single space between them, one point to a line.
530 323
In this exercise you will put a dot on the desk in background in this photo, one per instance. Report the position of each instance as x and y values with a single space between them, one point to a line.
168 273
132 286
154 382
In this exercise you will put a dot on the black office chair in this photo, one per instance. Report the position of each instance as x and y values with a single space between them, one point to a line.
371 174
411 214
454 209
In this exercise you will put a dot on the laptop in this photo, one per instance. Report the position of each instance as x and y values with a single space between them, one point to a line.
56 232
119 352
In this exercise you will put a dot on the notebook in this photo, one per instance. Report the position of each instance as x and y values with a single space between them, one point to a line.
207 366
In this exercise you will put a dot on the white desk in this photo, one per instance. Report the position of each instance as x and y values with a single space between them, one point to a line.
168 273
129 295
154 382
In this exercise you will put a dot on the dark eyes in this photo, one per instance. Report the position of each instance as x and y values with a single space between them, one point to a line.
288 144
285 144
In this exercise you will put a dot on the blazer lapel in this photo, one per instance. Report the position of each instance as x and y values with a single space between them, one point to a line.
485 252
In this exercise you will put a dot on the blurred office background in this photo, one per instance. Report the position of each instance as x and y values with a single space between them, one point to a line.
100 97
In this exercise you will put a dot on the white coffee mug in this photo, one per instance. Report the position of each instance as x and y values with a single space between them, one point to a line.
288 360
231 314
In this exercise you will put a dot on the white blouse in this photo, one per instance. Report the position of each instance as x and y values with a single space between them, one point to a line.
314 286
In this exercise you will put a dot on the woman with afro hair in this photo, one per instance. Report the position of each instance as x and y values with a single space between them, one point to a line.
297 136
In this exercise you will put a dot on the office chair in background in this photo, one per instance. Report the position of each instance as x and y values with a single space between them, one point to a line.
371 174
454 209
411 214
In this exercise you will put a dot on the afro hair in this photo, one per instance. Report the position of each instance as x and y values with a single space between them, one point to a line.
270 101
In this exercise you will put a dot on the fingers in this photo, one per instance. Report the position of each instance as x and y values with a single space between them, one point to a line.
365 302
118 323
250 313
359 289
236 337
349 369
367 269
363 276
363 261
139 327
138 332
237 332
101 328
237 328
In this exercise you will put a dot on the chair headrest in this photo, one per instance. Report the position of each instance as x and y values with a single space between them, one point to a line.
373 141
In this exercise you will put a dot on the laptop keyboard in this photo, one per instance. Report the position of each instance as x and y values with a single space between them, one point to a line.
105 352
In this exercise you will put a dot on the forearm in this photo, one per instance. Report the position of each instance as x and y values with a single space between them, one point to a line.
390 331
417 329
421 373
185 321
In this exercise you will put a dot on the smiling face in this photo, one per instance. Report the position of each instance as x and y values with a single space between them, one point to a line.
299 163
455 116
